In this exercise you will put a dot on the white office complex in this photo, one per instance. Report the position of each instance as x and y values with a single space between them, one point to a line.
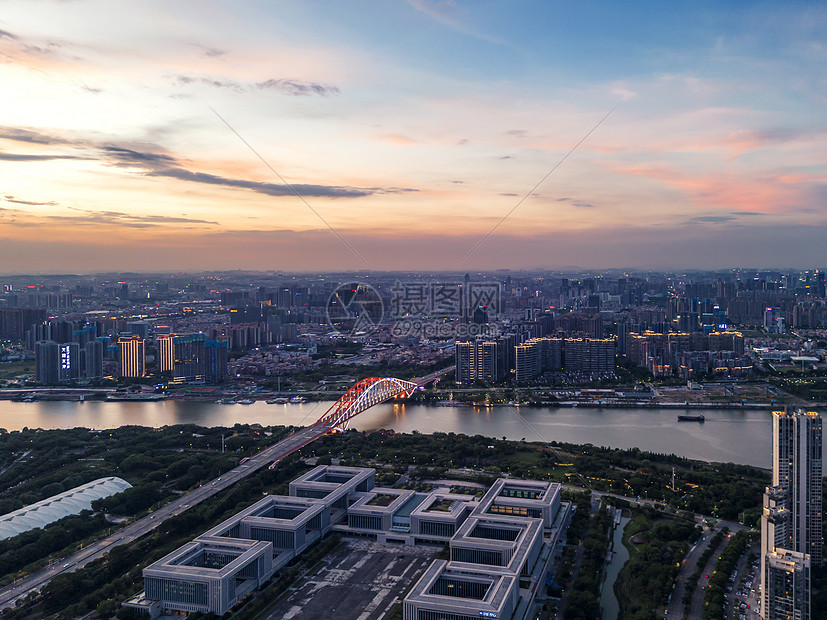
499 543
446 592
791 536
493 543
522 498
208 575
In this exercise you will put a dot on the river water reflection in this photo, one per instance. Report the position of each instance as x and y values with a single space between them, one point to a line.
740 436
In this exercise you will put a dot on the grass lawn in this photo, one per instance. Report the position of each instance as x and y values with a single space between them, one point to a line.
441 505
527 456
13 369
382 500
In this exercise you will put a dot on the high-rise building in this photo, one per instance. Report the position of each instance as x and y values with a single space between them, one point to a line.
95 350
47 362
69 366
528 360
787 593
189 365
183 356
481 360
490 361
216 353
57 362
166 353
539 355
462 353
140 328
797 467
15 321
791 521
132 350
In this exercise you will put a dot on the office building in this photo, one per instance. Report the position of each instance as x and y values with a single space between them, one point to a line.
132 351
491 551
183 356
498 543
209 576
531 499
438 517
66 362
447 592
290 524
379 509
57 363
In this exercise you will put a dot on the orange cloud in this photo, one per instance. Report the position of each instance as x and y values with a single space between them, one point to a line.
398 139
765 194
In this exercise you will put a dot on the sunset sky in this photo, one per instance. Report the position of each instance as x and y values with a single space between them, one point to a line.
411 129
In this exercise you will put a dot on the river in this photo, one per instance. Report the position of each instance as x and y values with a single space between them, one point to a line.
609 606
729 435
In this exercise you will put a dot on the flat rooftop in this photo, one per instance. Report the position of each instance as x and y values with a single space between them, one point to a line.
362 578
453 590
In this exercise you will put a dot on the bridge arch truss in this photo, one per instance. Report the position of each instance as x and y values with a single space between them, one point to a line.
362 396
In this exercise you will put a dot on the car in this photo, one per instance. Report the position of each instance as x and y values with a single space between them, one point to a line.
65 566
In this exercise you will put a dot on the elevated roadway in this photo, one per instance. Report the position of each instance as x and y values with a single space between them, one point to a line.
36 580
268 456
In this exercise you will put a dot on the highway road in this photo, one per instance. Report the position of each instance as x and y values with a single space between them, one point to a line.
688 567
36 580
268 456
697 605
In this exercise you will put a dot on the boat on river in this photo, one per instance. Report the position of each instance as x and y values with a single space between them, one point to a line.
691 418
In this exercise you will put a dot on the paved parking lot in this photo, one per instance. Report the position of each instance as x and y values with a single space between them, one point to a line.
364 580
745 588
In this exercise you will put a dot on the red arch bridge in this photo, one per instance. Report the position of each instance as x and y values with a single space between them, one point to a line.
359 398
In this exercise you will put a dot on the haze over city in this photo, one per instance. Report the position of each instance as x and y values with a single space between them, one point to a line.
412 129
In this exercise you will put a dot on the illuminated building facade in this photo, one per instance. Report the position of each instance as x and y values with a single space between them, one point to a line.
481 360
183 356
132 350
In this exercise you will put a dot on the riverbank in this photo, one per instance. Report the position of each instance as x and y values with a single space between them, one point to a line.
661 405
727 435
212 395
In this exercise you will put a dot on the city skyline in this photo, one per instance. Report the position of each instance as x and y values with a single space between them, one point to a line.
413 129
